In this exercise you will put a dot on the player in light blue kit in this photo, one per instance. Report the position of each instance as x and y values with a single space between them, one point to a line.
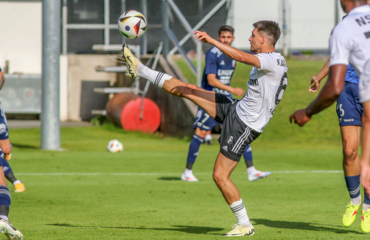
217 75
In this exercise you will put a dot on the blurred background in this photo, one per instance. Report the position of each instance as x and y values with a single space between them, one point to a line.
88 78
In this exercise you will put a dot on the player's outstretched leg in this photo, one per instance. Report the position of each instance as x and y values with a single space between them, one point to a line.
221 175
9 174
203 98
253 173
5 199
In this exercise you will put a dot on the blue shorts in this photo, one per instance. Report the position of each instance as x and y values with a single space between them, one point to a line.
204 121
349 108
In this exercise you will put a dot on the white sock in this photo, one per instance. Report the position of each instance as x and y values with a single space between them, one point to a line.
4 217
16 182
208 137
188 172
155 77
356 201
365 206
240 213
251 171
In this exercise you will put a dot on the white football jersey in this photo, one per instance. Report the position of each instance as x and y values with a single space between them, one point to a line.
266 87
364 86
350 40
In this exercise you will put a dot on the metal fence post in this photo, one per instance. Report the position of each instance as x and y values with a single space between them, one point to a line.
199 63
50 121
144 38
165 25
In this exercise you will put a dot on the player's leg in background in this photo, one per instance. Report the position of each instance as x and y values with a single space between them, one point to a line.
9 174
5 200
204 99
351 168
194 146
208 138
253 173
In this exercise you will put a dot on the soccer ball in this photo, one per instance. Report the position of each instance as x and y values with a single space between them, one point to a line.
132 24
115 146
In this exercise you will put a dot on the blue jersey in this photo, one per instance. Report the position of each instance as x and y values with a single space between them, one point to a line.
221 65
351 75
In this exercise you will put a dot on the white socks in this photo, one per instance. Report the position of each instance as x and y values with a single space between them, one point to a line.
157 78
365 206
240 213
251 171
356 201
188 172
208 137
16 182
4 217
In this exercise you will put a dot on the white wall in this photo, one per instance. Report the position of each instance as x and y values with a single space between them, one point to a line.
311 21
20 36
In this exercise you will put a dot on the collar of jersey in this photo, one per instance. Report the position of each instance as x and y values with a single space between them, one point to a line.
363 8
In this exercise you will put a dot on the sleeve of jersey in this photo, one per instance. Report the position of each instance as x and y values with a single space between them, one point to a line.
211 64
268 63
339 46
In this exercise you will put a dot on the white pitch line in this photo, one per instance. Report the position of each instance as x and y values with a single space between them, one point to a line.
159 174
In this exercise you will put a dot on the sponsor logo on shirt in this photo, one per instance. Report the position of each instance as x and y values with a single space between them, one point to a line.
222 62
253 82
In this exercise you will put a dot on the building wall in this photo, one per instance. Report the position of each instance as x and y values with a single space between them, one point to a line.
311 21
20 36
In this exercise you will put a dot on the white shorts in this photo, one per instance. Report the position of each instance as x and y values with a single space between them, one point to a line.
364 85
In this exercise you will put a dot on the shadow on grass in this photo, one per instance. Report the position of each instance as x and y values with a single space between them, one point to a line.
169 178
178 228
302 226
17 145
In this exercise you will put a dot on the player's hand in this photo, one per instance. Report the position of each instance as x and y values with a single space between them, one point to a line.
202 36
300 117
365 175
238 92
315 85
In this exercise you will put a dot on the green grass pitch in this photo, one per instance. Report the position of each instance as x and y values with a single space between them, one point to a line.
86 192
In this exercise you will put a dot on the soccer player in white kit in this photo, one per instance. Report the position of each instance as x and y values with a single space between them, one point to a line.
244 120
349 43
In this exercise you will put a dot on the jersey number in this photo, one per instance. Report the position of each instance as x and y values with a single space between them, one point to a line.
281 89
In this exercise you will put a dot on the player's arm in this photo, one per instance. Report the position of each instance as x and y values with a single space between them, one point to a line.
232 52
213 81
315 81
328 95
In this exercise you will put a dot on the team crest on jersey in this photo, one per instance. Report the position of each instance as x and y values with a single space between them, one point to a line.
230 140
234 63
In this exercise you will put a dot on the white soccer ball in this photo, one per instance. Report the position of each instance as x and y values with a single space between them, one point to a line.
132 24
115 146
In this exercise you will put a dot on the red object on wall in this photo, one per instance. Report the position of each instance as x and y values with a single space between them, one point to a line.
131 112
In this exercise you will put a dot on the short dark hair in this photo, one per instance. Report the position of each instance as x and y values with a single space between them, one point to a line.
270 28
226 28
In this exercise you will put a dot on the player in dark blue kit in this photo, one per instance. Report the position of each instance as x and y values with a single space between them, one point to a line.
217 75
5 199
349 111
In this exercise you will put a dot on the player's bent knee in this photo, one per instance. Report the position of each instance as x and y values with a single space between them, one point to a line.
350 154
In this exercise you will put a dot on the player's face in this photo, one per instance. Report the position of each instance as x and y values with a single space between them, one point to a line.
255 40
226 37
